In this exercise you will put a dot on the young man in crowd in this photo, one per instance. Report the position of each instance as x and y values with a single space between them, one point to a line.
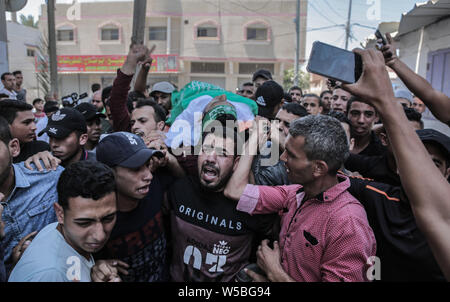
247 90
21 92
39 113
28 196
362 117
93 124
68 135
296 94
9 83
260 76
418 105
211 240
325 235
325 98
86 212
138 238
162 94
268 97
312 103
340 99
20 117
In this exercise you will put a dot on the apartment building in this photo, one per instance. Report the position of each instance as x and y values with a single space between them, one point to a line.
218 41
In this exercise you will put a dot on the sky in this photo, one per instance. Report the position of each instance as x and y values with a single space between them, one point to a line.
321 13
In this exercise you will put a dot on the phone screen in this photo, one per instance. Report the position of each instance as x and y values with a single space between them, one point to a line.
335 63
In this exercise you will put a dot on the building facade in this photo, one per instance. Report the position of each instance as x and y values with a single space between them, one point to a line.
221 42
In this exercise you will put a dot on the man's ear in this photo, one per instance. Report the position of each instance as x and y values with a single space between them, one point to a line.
384 139
160 125
320 168
320 109
236 162
14 147
447 174
59 212
83 139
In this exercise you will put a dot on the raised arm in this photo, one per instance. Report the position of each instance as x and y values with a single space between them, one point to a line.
428 191
436 101
141 80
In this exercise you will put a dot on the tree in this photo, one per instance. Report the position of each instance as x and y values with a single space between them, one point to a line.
288 79
42 65
28 20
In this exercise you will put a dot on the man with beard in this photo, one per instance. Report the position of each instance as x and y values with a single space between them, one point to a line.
211 240
28 196
86 211
21 121
93 124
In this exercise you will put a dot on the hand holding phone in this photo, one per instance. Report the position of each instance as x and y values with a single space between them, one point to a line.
380 37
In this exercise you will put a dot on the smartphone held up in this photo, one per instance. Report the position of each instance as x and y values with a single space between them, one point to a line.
334 63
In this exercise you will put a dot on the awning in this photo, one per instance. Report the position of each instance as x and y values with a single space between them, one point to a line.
423 14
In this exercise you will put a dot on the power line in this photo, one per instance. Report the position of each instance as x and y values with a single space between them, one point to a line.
333 9
320 13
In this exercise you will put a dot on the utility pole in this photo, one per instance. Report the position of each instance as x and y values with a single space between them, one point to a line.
52 47
347 27
297 50
4 65
139 13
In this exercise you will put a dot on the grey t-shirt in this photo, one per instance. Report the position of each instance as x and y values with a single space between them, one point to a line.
49 258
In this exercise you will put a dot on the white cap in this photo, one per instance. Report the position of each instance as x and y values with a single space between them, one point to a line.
164 87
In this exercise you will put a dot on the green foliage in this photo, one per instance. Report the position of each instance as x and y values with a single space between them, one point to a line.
288 79
28 21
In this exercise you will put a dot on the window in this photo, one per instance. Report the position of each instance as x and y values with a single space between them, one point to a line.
250 68
110 34
202 67
157 33
65 35
207 31
257 34
30 52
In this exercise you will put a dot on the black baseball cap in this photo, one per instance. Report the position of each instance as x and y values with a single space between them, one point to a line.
433 136
263 73
89 111
51 106
63 122
269 94
124 149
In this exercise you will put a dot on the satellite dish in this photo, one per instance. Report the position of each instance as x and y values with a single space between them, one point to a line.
15 5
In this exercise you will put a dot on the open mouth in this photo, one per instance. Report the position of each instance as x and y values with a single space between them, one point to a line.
143 190
209 173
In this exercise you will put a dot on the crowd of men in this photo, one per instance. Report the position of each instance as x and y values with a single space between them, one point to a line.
273 186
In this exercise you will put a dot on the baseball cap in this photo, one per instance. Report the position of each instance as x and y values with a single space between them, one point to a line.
269 94
263 73
89 111
124 149
164 87
404 94
51 106
63 122
431 135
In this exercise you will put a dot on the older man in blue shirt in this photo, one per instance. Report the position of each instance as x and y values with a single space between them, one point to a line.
28 195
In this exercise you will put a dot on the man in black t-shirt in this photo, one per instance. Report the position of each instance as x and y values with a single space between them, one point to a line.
138 238
21 122
211 240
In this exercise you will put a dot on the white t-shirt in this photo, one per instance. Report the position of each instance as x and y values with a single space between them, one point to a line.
49 258
11 94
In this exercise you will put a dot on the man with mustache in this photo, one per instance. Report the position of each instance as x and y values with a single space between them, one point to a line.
211 240
22 125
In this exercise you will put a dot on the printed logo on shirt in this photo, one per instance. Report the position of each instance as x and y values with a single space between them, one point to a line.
210 219
213 261
58 116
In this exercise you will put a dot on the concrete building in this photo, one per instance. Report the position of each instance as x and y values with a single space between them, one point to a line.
222 42
23 42
424 45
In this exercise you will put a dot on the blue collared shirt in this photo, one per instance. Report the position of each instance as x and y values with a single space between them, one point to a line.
29 207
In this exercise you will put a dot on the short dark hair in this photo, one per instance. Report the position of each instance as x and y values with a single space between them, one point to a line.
95 87
3 77
160 113
413 116
356 99
5 132
324 92
37 100
287 97
88 179
16 72
134 96
106 92
312 95
340 116
296 88
295 108
9 109
247 84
